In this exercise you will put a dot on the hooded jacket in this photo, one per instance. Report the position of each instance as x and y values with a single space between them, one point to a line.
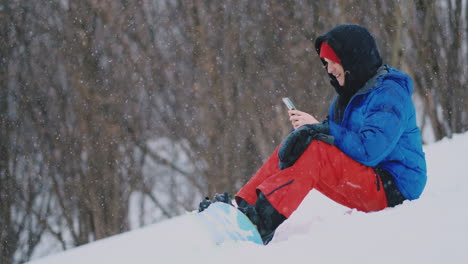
373 119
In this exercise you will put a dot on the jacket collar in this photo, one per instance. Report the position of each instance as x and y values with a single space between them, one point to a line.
372 82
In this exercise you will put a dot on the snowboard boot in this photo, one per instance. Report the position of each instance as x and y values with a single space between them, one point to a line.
263 215
204 204
223 198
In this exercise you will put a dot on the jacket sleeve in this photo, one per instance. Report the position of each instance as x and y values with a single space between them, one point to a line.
382 126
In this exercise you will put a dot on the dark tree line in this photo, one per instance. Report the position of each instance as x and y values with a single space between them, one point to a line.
113 107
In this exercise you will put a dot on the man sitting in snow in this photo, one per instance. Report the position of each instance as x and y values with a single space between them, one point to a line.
366 155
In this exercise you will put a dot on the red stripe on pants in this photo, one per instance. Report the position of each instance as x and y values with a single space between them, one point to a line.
323 167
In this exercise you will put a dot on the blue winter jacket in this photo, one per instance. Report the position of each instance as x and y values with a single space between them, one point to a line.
378 129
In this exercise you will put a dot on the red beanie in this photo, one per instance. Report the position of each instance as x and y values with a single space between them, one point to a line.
327 52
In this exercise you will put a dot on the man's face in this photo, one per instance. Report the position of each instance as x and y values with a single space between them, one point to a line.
336 70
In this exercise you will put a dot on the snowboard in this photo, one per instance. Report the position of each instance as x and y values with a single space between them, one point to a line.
225 223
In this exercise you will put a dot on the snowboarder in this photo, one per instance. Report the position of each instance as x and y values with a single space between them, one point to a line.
366 155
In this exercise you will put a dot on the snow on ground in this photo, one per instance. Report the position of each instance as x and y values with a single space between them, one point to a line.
433 229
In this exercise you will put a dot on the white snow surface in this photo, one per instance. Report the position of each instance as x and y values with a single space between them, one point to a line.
432 229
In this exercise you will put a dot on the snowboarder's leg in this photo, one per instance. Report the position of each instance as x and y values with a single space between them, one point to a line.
333 173
321 166
249 191
286 189
348 182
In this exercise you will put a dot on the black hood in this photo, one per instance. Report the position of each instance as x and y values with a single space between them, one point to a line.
358 53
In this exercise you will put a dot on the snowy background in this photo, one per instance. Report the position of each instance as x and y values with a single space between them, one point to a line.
433 229
120 115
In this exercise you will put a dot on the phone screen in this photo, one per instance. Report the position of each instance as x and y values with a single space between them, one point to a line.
289 103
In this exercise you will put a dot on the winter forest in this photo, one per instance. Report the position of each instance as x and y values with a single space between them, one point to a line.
118 114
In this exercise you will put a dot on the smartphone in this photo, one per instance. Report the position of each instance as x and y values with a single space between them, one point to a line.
289 103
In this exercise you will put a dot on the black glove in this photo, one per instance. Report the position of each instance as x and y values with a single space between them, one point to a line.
294 145
329 139
297 141
322 128
323 132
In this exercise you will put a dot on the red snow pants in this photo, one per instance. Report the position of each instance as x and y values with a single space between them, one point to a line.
322 167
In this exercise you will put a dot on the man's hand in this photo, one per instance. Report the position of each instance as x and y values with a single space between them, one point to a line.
299 118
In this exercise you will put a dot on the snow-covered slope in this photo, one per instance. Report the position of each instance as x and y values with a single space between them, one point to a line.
433 229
